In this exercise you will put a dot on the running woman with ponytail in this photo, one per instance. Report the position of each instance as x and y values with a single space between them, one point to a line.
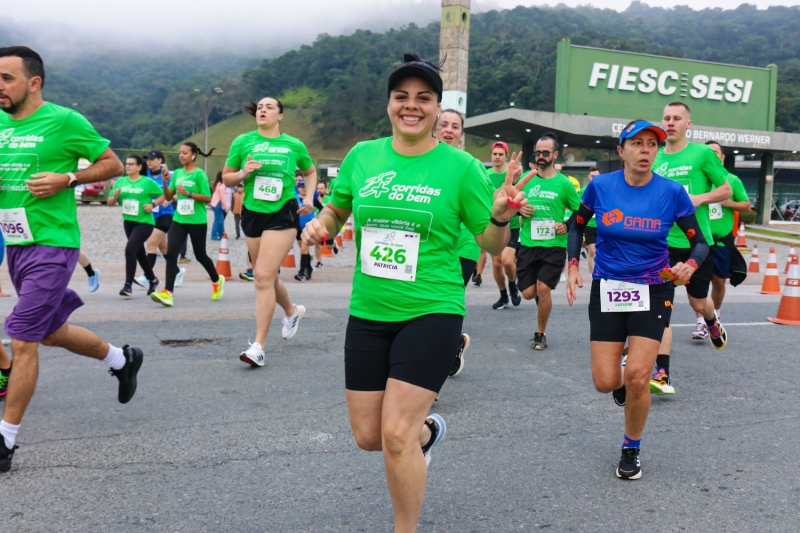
265 161
136 196
632 282
190 183
408 195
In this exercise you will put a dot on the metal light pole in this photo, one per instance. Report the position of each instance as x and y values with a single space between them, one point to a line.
207 99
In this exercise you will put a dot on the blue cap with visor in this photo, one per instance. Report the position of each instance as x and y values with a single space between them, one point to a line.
634 128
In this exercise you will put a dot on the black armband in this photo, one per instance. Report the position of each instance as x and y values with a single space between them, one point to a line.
576 225
697 241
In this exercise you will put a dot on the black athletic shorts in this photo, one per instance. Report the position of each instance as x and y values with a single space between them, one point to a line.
590 235
513 241
701 279
255 223
163 223
420 351
467 269
540 264
617 327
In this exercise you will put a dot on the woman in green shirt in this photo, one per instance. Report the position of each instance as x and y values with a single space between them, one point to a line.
190 184
265 160
136 196
450 129
408 194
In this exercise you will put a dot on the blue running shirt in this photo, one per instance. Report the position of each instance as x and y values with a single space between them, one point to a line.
633 224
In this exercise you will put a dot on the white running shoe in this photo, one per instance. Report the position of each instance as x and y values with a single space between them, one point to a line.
179 277
441 429
290 323
141 281
254 355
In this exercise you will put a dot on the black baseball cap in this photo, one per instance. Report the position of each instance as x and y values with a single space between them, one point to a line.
155 154
415 67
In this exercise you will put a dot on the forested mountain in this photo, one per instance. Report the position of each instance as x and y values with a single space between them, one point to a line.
145 101
513 57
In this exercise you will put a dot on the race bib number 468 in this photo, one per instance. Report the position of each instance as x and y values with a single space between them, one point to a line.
390 254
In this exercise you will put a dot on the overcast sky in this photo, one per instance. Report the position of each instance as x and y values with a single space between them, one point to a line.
253 27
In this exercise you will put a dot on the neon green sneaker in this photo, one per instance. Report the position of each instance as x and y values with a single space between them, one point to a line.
163 297
3 384
216 292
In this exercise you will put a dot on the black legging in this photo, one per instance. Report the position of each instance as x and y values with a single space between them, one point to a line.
175 239
137 233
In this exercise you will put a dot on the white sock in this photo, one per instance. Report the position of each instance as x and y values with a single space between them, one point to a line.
9 432
296 310
701 320
115 358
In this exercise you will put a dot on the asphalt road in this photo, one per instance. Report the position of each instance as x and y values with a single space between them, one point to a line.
209 444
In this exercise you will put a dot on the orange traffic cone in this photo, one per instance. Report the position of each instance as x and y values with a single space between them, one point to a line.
792 253
348 230
741 242
789 308
288 261
326 252
754 265
339 241
772 283
224 259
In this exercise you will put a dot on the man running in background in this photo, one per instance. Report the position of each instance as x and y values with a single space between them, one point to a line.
504 265
543 238
37 200
699 170
726 256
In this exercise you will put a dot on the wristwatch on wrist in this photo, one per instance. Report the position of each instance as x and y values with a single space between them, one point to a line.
189 194
73 180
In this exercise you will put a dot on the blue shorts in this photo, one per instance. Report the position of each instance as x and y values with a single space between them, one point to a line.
722 262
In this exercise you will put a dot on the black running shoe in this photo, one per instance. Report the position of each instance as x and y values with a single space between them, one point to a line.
516 296
629 465
619 396
5 455
458 364
127 290
153 286
477 280
474 273
539 341
299 277
501 303
127 374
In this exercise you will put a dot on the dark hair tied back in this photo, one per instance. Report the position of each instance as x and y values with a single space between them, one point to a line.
195 150
252 107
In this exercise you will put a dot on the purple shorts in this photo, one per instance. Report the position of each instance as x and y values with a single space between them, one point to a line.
40 275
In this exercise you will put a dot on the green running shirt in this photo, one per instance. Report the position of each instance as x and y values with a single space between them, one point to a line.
134 195
52 139
699 170
189 211
550 198
419 202
267 189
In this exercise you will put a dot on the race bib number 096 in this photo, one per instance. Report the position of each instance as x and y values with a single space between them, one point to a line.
390 254
15 227
621 296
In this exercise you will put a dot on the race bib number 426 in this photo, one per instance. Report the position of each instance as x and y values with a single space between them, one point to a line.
390 254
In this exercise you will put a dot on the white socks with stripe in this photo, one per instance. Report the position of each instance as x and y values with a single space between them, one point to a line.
9 432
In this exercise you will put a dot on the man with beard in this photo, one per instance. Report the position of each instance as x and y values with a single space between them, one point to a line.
40 144
543 237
